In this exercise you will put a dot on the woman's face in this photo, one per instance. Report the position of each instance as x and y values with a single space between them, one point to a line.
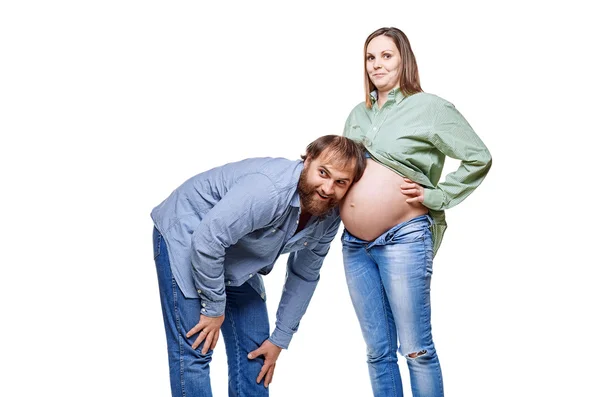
383 63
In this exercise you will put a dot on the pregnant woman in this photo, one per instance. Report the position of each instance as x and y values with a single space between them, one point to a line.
394 217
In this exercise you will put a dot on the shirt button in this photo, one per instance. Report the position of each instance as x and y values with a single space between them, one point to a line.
305 243
298 221
199 291
203 304
274 230
229 283
203 310
250 276
262 295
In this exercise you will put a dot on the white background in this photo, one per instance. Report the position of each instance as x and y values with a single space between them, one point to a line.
107 106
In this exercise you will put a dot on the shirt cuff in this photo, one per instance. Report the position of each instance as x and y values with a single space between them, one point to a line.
281 338
433 199
212 309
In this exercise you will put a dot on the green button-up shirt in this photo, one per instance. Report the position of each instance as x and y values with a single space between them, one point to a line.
412 136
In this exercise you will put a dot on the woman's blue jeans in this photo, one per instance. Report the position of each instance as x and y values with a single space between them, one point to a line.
245 328
389 282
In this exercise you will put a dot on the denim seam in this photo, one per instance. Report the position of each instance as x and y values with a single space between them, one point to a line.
439 368
425 260
424 297
237 351
179 339
424 346
390 342
158 238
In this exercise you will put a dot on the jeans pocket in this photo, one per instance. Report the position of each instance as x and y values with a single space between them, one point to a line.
411 234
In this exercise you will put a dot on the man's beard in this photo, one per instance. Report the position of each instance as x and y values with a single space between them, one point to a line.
310 203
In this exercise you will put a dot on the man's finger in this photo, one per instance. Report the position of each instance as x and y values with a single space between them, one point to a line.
269 377
207 342
215 340
199 339
263 372
253 354
193 331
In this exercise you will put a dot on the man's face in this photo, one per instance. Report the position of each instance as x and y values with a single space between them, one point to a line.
323 183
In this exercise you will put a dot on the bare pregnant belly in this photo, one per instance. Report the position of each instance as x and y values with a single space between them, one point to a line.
375 204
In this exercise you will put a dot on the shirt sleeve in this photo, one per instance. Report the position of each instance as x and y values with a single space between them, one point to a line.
303 268
453 136
250 204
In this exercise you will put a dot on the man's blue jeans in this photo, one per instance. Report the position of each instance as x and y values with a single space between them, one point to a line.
389 280
245 328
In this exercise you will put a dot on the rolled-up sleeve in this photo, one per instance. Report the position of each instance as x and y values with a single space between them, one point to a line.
251 203
303 269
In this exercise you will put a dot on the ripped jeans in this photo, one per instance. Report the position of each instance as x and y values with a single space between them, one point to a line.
389 283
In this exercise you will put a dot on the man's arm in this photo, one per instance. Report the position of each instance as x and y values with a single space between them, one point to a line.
303 268
250 204
301 280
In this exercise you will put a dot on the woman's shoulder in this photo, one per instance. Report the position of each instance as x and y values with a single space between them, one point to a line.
430 99
431 104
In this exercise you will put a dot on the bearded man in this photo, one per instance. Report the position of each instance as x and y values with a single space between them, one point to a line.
219 232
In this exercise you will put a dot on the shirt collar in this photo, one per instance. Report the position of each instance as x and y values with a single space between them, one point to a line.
296 200
394 94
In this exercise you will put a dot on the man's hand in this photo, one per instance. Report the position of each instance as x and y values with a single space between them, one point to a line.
271 354
209 328
414 191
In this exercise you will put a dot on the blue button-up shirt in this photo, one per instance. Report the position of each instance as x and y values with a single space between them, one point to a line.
228 225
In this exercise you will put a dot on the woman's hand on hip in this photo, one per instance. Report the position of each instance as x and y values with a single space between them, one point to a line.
414 191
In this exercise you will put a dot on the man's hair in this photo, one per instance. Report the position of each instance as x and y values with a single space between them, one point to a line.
409 72
345 151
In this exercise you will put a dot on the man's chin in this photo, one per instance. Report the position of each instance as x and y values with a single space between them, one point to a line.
320 208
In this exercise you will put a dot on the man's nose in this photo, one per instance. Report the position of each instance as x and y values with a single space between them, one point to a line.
328 188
